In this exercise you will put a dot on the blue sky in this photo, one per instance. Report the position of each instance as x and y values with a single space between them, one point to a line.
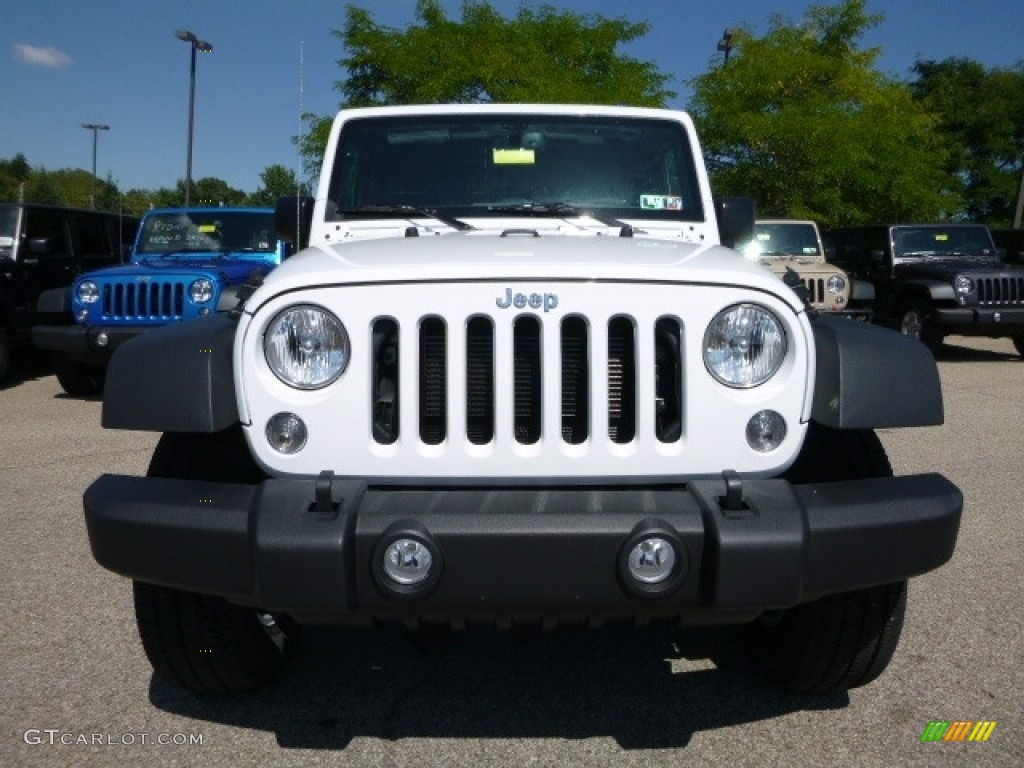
118 63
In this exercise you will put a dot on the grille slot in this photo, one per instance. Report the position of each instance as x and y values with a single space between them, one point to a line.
815 289
153 300
549 395
526 389
621 381
575 381
433 378
480 380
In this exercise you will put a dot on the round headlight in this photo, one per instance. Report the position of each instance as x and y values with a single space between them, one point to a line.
744 346
201 291
87 292
963 284
306 347
836 284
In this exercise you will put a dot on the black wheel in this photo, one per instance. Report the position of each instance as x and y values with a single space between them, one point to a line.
914 323
202 642
5 353
839 641
79 379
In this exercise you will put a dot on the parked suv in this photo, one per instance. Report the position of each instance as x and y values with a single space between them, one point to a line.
934 280
186 263
520 376
1010 242
43 247
792 249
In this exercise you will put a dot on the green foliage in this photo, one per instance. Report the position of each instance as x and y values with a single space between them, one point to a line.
541 55
981 118
800 120
277 181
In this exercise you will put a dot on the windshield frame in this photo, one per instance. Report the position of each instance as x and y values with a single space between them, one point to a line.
463 161
942 242
246 234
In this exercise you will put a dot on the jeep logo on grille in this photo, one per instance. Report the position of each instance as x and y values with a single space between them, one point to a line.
545 301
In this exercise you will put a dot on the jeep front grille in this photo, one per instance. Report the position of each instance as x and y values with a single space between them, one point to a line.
816 290
1000 290
152 300
573 366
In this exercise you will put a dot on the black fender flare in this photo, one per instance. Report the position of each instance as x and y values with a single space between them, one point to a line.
54 301
869 377
177 378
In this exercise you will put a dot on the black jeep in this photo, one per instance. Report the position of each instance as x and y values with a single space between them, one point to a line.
934 280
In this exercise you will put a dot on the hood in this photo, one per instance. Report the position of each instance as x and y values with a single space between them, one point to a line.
481 256
947 268
227 267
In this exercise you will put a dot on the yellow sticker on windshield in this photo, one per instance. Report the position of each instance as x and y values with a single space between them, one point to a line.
204 228
514 157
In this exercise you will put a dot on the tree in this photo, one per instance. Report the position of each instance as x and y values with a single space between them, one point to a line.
981 114
277 181
14 173
541 55
801 120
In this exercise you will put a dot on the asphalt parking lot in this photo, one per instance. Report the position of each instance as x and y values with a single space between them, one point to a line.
79 691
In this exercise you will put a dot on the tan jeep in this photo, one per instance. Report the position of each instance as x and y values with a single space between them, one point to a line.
785 245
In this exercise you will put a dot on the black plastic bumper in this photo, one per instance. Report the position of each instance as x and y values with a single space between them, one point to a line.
982 321
520 553
89 345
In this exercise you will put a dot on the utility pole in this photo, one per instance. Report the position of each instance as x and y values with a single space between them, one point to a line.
95 128
196 45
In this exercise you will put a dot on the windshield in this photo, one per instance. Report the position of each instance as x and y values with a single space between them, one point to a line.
955 241
216 230
8 221
487 165
782 240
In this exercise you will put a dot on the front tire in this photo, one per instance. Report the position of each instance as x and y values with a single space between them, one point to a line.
202 642
5 353
79 379
839 641
915 324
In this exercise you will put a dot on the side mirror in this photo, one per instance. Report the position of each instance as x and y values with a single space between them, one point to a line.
735 220
293 216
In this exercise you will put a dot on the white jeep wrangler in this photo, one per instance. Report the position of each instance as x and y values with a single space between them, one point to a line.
513 376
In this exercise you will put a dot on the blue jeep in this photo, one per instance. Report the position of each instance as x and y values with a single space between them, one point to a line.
185 263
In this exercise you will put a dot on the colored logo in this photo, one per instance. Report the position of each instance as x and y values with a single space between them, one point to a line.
958 730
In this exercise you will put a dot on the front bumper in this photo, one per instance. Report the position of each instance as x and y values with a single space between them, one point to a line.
981 321
312 547
93 345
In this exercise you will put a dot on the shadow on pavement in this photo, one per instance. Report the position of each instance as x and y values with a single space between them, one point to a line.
566 684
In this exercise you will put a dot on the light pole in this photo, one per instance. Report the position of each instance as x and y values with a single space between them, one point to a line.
725 44
196 45
95 128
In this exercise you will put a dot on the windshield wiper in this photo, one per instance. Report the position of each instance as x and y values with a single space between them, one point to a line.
408 211
562 210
